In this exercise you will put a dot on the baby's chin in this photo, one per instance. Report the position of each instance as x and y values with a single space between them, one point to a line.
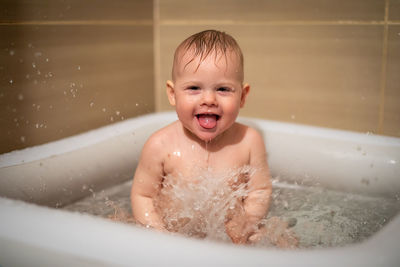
204 137
207 136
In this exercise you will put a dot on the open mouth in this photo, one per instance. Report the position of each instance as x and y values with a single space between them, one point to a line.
207 121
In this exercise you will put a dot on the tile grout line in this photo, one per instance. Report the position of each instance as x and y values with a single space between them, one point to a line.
156 55
382 85
79 23
277 23
197 22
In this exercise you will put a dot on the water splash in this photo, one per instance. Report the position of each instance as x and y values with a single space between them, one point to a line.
319 217
199 207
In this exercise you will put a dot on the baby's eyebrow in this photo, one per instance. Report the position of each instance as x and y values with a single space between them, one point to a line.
192 82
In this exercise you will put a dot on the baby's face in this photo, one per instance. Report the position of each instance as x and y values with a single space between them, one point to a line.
208 96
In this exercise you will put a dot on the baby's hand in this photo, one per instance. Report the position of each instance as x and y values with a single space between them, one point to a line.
239 230
276 232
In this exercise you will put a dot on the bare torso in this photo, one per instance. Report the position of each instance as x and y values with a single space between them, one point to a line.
182 183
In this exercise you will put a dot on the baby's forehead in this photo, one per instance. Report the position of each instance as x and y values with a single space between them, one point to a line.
187 57
191 52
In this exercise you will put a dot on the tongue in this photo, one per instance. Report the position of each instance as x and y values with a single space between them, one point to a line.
208 121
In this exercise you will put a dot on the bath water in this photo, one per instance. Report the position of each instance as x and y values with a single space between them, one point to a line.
318 217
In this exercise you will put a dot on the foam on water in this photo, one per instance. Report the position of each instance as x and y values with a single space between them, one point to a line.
318 217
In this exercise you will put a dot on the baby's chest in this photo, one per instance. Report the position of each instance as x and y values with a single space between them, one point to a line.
179 163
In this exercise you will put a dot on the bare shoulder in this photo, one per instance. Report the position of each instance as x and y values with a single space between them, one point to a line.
250 135
159 140
254 142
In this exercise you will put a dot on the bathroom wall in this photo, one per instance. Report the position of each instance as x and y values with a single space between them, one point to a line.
67 66
325 63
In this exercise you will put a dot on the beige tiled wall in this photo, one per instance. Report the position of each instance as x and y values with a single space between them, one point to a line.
67 66
325 63
70 66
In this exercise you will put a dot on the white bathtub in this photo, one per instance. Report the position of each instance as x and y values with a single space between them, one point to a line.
61 172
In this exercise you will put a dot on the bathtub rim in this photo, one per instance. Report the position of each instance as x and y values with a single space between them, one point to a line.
52 243
94 136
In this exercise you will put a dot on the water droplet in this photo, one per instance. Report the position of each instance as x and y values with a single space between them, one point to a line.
22 138
91 104
38 54
79 67
177 153
20 97
11 81
137 104
117 113
104 109
34 65
12 52
93 193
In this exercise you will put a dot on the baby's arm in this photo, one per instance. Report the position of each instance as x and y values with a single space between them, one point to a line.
146 185
256 204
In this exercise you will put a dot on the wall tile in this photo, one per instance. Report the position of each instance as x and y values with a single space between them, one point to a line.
391 123
269 10
321 75
56 81
394 10
60 10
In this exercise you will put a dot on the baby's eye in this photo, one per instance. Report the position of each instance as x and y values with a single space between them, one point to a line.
224 89
193 87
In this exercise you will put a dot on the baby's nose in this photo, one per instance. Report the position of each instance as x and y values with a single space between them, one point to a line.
209 98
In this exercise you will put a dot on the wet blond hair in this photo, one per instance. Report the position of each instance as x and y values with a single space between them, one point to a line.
204 43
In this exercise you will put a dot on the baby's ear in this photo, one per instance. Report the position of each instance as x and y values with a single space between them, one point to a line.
171 92
245 92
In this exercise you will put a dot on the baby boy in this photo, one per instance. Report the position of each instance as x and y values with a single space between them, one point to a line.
207 91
